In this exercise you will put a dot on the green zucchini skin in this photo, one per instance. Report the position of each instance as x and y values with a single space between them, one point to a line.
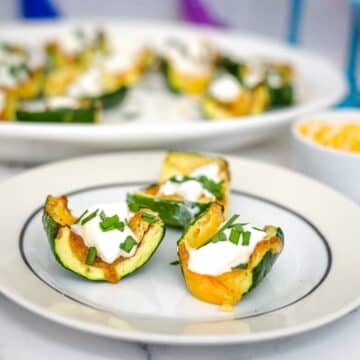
51 228
283 96
260 271
79 116
111 99
164 69
232 67
172 212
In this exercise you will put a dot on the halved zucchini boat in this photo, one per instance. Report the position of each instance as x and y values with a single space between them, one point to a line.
71 252
173 209
227 288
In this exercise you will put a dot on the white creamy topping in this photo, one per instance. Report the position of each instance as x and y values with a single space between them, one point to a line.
7 80
193 58
192 190
106 243
87 84
53 103
255 73
36 58
62 102
274 79
220 257
75 41
118 62
225 88
211 171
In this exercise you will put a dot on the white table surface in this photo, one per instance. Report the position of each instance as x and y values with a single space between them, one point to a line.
27 336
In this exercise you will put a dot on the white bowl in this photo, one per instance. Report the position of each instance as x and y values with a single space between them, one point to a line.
339 169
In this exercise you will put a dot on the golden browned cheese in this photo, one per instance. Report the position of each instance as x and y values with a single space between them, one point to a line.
189 83
227 288
31 88
58 81
8 112
80 250
58 209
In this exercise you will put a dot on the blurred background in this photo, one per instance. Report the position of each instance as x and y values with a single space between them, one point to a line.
324 24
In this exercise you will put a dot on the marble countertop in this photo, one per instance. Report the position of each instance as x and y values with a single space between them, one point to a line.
27 336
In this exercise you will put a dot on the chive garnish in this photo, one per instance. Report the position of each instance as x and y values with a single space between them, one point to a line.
175 262
91 255
221 230
257 228
151 219
128 244
89 217
219 236
229 222
81 216
246 238
210 185
111 223
235 235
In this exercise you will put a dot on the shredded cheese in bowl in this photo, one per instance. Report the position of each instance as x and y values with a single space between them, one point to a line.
343 136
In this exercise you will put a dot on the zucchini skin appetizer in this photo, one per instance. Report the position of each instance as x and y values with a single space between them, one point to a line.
227 288
188 67
65 110
71 252
174 208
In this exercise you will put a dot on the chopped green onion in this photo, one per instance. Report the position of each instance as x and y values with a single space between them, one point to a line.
224 227
91 255
128 244
151 219
246 238
258 229
229 222
235 235
210 185
219 236
175 262
89 217
81 216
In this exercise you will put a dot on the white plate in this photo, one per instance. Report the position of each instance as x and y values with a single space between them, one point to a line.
318 85
315 280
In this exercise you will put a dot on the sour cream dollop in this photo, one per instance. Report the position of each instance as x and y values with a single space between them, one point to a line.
226 88
220 257
87 84
107 243
192 190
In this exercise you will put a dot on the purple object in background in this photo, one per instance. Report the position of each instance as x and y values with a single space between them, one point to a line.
196 12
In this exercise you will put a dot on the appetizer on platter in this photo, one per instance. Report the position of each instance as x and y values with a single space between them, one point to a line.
101 67
106 243
189 182
223 261
188 67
